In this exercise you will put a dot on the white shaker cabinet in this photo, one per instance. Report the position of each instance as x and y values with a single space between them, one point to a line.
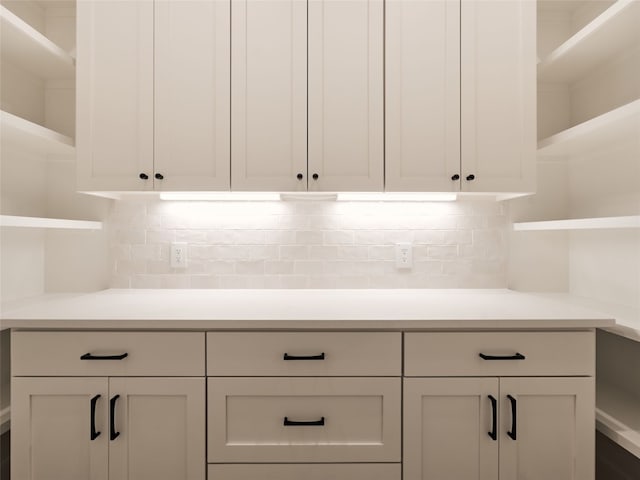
460 95
422 95
114 125
346 95
498 96
269 95
153 95
191 131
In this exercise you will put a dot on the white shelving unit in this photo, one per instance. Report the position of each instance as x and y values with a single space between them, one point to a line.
632 221
617 416
41 222
28 48
35 138
615 125
612 31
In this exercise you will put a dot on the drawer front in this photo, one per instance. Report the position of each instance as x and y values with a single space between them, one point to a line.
356 420
149 354
458 354
310 471
309 354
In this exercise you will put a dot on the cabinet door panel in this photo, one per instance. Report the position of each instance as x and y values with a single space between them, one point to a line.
498 95
446 425
555 435
346 95
115 95
51 429
269 94
422 95
192 68
162 429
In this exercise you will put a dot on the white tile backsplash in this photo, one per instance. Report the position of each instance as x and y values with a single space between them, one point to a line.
308 244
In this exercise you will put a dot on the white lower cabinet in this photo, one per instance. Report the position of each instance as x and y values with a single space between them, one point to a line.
499 428
108 428
308 471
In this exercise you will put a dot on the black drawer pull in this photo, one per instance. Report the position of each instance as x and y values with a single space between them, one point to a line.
517 356
88 356
112 424
304 357
291 423
94 434
514 419
494 422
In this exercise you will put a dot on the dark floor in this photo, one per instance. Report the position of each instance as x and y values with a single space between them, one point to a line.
5 444
614 462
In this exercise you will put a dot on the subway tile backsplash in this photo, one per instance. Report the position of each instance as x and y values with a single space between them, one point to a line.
308 244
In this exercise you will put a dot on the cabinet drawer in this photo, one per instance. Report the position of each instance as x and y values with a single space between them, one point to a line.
458 354
258 420
149 354
311 471
309 354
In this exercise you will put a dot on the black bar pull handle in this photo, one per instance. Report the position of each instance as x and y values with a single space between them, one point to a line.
94 433
89 356
291 423
514 418
494 422
517 356
304 357
112 423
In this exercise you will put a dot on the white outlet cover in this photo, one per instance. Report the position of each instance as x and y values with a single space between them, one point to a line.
179 255
404 256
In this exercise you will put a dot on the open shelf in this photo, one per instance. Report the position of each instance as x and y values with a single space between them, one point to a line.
612 31
40 222
5 420
617 417
33 137
23 45
632 221
615 125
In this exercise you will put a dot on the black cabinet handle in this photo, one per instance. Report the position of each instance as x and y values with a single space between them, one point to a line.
517 356
304 357
112 423
470 177
144 176
159 176
291 423
315 176
94 434
299 176
88 356
514 418
455 177
494 422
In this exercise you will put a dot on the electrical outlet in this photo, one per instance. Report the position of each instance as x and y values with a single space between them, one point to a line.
404 255
179 255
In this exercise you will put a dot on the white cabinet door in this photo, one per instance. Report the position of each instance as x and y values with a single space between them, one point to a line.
446 429
268 95
555 434
422 70
114 124
51 432
498 95
346 95
161 422
192 126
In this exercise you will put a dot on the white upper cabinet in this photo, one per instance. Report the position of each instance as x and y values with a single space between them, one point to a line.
422 95
114 126
460 95
269 95
346 95
192 95
498 96
153 95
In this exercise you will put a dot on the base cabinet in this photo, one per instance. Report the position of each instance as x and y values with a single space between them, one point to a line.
499 428
108 428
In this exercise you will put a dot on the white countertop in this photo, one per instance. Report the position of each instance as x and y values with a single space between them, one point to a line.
302 309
